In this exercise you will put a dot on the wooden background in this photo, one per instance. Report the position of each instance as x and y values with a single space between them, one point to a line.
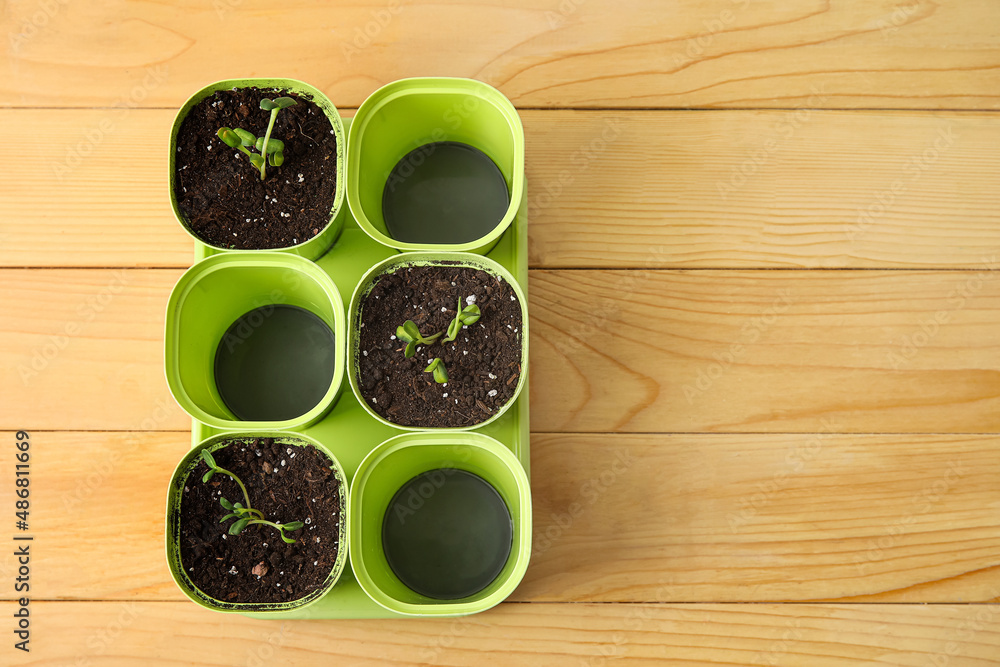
765 241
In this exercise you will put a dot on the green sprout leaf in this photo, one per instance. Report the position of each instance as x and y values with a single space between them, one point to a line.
273 145
209 460
269 151
455 324
244 515
229 137
410 331
470 314
411 349
438 370
238 526
287 540
246 138
463 317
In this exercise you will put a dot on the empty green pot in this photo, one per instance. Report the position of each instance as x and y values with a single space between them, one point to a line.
217 291
390 466
175 493
317 245
431 259
410 113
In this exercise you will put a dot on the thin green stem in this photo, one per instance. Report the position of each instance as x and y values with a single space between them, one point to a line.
246 496
279 527
243 148
267 137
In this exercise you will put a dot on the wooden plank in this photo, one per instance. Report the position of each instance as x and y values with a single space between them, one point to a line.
776 351
636 518
628 351
171 633
667 189
83 349
764 518
689 53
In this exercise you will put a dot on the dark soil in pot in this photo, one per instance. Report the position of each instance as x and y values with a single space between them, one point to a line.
220 193
287 483
483 363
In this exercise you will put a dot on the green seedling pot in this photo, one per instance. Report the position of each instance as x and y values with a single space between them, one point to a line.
410 113
403 260
173 529
317 245
217 291
396 461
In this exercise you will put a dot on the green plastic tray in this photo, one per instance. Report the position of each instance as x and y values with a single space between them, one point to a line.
349 432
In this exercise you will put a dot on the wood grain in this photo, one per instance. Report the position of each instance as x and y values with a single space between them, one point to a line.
643 53
514 634
626 351
678 189
777 351
617 518
83 349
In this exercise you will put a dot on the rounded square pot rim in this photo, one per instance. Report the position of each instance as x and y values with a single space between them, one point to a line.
201 598
435 86
524 524
295 86
431 258
216 263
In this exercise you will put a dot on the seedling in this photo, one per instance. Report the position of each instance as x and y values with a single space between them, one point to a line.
463 317
437 368
410 334
245 514
270 151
